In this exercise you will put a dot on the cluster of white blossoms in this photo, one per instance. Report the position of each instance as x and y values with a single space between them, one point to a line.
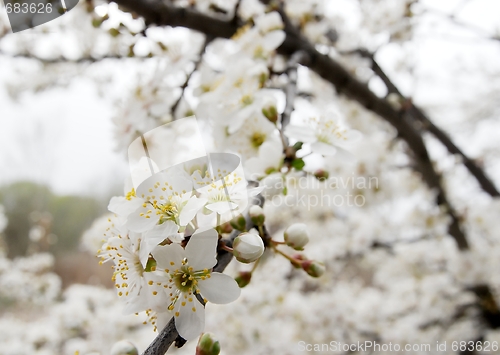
392 272
152 271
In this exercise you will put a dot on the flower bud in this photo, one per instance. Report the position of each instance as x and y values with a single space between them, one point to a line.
225 228
239 223
271 113
313 268
321 174
299 258
207 345
273 185
243 278
257 215
124 347
248 247
296 236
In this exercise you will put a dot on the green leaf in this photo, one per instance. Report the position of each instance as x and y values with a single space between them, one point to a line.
298 163
298 146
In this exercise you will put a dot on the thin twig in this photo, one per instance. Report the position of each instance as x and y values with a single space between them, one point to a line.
60 60
291 91
197 63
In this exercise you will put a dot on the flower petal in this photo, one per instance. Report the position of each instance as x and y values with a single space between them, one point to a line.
201 250
137 221
323 148
168 254
123 207
191 209
301 133
190 320
219 288
222 206
154 237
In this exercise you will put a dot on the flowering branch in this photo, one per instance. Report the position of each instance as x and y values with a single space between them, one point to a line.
418 114
169 334
163 13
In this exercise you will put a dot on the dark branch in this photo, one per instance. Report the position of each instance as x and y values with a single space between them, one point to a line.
415 112
164 14
65 60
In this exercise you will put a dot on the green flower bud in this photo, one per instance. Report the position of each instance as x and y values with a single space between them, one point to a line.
239 223
225 228
124 347
321 175
297 236
207 345
313 268
257 215
243 278
271 113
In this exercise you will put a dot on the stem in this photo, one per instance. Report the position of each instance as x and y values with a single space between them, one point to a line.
226 248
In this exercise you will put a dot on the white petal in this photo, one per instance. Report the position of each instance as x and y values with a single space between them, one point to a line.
222 206
346 138
123 207
189 323
191 209
219 288
301 133
323 148
162 318
273 40
137 223
176 237
154 237
168 254
179 183
202 249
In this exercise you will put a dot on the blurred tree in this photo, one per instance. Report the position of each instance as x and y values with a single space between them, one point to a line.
62 218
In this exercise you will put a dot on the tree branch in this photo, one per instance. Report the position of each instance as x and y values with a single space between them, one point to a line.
162 13
415 112
291 90
60 60
207 41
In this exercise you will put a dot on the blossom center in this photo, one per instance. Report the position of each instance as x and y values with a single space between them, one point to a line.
257 139
168 211
186 279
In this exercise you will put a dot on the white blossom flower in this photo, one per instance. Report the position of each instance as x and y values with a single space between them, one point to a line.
188 274
226 195
255 131
263 39
167 201
268 161
325 134
136 286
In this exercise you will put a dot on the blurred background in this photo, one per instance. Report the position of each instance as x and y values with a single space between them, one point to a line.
62 156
